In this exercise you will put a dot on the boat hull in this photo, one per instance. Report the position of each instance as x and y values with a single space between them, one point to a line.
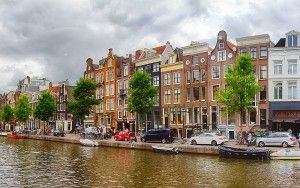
15 136
286 154
229 152
165 150
87 142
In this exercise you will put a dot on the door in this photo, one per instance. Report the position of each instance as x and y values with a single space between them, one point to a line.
166 122
231 135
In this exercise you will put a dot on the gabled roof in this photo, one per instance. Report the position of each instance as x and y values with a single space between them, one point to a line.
54 89
231 45
280 43
160 49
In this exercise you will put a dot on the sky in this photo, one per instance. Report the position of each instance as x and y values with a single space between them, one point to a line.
53 38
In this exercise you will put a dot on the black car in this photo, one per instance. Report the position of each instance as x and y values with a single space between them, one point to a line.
159 135
59 133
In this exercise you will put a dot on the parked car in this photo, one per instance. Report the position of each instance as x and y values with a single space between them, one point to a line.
125 136
59 133
283 139
213 139
90 132
159 135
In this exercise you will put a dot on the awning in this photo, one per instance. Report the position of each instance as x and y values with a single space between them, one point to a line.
283 120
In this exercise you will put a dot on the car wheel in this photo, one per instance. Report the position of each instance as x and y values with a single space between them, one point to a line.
193 142
143 140
285 144
163 141
261 144
214 143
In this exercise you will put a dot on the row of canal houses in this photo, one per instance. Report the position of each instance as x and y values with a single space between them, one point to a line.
32 87
188 79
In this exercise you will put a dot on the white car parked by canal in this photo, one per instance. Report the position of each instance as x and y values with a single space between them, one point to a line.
283 139
213 139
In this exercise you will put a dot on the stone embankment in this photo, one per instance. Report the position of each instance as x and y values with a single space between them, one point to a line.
183 148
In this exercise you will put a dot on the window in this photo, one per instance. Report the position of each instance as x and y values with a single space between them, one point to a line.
278 90
167 97
167 79
292 90
203 75
107 90
125 84
188 93
196 93
155 67
292 66
109 63
263 93
243 51
188 76
263 72
226 67
176 77
156 100
292 40
254 69
195 60
203 95
215 91
112 89
156 80
222 55
277 67
263 52
221 45
253 53
195 76
125 70
196 116
176 95
215 72
188 116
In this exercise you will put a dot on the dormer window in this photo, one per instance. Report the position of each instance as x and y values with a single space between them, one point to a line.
292 40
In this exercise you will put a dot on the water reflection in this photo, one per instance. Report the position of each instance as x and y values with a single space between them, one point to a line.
33 163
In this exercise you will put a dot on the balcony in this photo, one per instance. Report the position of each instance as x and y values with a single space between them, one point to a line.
123 92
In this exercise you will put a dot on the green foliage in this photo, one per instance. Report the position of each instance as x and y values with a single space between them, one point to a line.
45 107
7 113
241 86
84 99
142 93
23 110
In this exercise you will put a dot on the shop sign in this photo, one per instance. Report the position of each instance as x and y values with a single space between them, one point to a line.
286 114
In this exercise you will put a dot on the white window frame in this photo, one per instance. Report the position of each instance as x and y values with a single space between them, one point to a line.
222 55
212 72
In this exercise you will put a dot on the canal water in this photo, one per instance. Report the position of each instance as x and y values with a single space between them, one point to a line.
34 163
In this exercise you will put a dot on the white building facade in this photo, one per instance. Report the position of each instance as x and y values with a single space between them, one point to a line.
284 83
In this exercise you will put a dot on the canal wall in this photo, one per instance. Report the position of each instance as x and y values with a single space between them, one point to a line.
183 148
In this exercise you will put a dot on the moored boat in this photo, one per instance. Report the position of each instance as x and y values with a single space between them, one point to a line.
286 154
251 153
88 142
165 150
14 135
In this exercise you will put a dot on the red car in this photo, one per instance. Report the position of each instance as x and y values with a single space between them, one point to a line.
125 136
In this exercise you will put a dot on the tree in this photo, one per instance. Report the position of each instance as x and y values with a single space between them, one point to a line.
142 93
241 87
45 107
84 99
7 114
23 110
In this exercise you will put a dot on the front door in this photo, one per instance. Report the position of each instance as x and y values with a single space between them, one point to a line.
166 122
